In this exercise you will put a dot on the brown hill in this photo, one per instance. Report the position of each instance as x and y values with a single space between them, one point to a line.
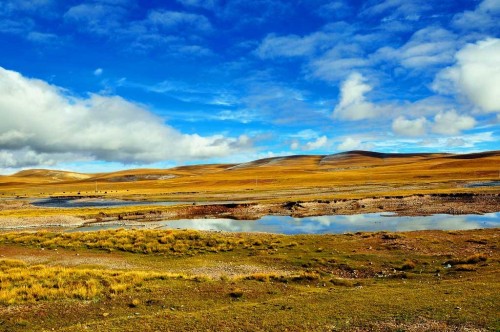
352 172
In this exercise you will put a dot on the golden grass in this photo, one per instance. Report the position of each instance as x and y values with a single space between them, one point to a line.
142 241
308 176
20 283
412 281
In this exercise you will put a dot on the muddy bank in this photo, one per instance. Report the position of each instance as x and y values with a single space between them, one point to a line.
16 223
416 205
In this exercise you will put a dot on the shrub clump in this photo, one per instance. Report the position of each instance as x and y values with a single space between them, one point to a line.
473 259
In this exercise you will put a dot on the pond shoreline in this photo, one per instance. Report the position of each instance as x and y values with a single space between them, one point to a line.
415 205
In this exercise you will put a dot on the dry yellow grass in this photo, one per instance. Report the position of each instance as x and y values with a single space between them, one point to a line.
357 174
413 281
21 283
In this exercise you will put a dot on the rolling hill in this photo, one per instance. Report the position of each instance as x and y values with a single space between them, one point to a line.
347 173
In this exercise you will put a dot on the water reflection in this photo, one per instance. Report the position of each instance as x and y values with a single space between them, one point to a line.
68 203
331 224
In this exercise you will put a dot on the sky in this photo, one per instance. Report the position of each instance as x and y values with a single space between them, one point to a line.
102 85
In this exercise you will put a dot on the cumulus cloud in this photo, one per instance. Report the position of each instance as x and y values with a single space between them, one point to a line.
353 105
316 144
294 145
405 127
351 143
451 123
42 125
476 74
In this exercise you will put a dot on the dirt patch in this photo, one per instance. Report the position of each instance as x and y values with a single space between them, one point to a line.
58 257
18 223
234 270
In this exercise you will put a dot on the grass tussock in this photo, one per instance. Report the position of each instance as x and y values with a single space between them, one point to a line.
473 259
140 241
20 283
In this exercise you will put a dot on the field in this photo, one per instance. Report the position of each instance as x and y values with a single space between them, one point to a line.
347 175
185 280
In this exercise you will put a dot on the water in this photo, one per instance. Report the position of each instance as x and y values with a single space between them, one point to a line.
106 203
102 203
371 222
483 184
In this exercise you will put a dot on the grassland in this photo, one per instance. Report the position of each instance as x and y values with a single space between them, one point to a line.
355 182
171 280
186 280
349 175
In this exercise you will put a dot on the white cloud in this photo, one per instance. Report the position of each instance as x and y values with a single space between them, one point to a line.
292 45
40 124
98 18
427 47
398 9
40 37
350 143
206 4
405 127
353 105
484 17
306 134
451 123
334 9
471 142
98 72
476 74
318 143
341 59
179 20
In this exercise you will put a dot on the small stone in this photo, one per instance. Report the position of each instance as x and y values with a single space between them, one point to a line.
105 314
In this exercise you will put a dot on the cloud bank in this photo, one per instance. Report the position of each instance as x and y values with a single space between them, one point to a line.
42 125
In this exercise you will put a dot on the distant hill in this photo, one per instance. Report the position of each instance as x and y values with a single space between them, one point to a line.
278 173
51 174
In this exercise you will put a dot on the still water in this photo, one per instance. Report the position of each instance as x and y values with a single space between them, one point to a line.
102 203
326 224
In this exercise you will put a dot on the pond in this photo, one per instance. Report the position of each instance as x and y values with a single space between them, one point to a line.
371 222
483 184
68 203
94 202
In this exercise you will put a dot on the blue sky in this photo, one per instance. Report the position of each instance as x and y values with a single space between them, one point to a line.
109 84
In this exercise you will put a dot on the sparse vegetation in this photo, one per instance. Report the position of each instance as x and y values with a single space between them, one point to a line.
351 175
21 283
169 242
152 280
355 282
